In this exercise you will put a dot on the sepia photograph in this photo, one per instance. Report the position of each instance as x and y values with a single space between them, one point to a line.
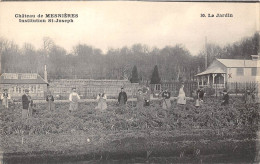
129 82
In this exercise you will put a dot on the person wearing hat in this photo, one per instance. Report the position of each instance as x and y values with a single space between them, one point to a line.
166 102
50 101
140 100
122 97
5 97
225 98
27 104
74 99
182 97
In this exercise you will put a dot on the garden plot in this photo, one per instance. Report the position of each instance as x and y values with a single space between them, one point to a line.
182 132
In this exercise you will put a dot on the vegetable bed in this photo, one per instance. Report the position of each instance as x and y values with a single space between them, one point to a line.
182 133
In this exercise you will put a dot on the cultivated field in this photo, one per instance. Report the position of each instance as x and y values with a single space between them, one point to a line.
210 133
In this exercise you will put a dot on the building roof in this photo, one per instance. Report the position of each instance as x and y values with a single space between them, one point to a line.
21 78
87 80
229 63
211 70
239 63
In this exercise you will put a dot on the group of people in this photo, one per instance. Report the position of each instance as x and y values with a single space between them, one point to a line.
144 96
199 95
166 95
27 102
143 99
101 100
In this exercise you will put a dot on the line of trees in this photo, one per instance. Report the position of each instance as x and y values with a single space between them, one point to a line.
85 61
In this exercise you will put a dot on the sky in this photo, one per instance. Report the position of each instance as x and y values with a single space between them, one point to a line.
116 24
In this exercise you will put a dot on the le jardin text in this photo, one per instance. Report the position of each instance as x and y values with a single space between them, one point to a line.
216 15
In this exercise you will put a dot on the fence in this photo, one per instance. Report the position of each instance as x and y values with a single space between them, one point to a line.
174 87
239 87
232 87
88 88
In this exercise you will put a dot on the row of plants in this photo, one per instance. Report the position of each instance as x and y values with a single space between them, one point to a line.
210 115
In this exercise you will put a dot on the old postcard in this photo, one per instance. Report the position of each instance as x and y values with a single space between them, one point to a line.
129 82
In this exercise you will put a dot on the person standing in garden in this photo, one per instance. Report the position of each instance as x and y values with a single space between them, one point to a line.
122 98
5 97
166 102
181 98
201 94
225 98
27 104
50 101
249 97
195 97
74 99
147 97
140 100
102 104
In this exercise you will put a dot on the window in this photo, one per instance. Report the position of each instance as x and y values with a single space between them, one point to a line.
10 76
157 87
240 71
28 76
253 71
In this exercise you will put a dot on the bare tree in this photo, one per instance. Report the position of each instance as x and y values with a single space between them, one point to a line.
48 44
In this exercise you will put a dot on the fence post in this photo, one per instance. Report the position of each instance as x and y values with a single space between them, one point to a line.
216 90
132 97
191 89
236 89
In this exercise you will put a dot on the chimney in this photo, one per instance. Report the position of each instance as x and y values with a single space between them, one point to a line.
45 73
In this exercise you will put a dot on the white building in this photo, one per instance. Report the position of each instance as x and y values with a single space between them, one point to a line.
16 83
222 72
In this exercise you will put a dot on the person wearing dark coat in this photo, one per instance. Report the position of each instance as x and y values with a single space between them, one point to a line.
200 94
50 101
166 102
122 97
27 104
225 98
195 96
